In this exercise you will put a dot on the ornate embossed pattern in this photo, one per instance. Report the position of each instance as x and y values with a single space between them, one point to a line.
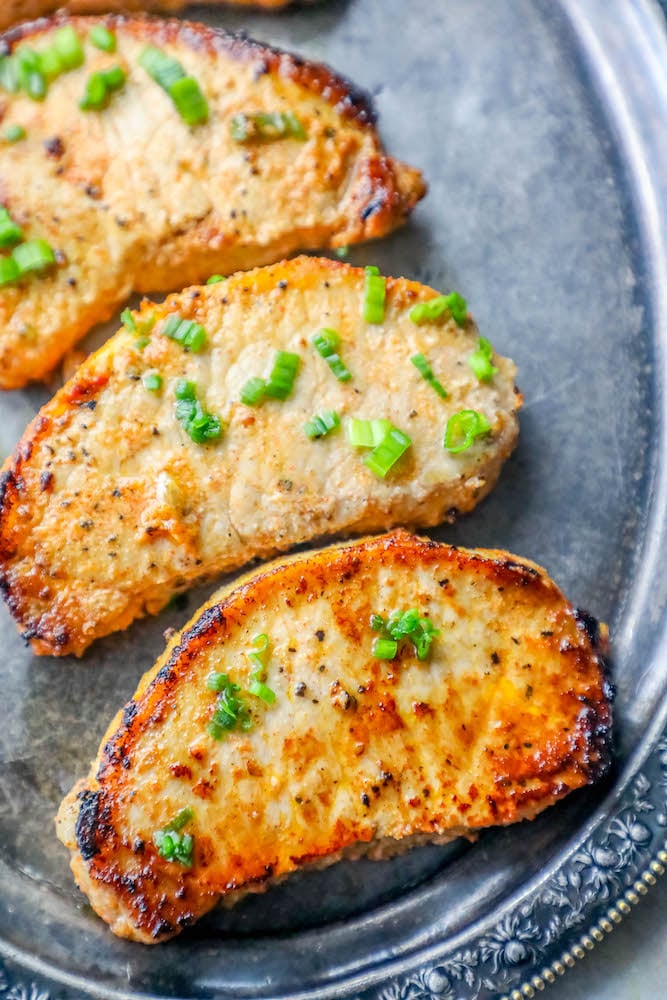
595 887
582 901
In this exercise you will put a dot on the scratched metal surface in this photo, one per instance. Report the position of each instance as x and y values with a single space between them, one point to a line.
546 211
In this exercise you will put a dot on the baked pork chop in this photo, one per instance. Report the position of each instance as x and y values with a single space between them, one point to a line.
285 725
14 11
147 471
195 152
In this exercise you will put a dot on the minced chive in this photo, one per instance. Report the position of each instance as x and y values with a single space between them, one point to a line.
245 127
384 649
50 64
36 85
201 426
281 380
152 381
33 255
127 319
425 370
322 424
102 38
261 690
181 820
215 278
14 133
253 391
262 643
462 429
326 344
190 335
407 625
367 433
67 44
173 845
231 711
385 455
9 74
9 271
10 232
375 292
114 77
161 67
100 86
189 100
480 361
428 312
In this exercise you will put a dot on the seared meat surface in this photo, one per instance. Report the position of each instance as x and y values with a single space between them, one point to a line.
132 198
109 506
507 713
14 11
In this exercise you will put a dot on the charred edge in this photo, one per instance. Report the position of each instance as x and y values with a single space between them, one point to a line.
346 98
87 825
595 724
589 625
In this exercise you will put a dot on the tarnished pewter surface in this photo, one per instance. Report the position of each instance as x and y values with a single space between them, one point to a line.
541 129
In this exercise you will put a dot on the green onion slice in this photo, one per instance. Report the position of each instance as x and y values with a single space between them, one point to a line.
128 321
326 343
375 292
152 381
9 271
173 845
254 391
480 361
68 45
245 127
384 649
283 374
190 335
367 433
161 67
99 88
189 100
386 454
260 690
215 278
462 429
10 232
428 312
14 133
322 424
102 38
425 370
201 426
33 255
9 74
405 625
231 711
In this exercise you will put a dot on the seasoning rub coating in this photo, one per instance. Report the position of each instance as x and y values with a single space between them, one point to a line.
508 713
130 197
14 11
111 502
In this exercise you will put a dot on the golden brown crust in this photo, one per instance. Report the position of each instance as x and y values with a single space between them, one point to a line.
14 11
509 715
171 205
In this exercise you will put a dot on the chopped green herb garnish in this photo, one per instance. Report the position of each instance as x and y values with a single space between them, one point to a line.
201 426
33 255
141 343
100 87
50 64
173 845
385 455
283 374
266 125
326 343
190 335
9 271
189 100
462 429
253 391
367 433
68 45
342 252
428 312
322 424
128 321
10 232
425 370
403 625
102 38
480 361
14 133
184 90
260 690
231 711
36 85
215 278
9 74
152 381
375 292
